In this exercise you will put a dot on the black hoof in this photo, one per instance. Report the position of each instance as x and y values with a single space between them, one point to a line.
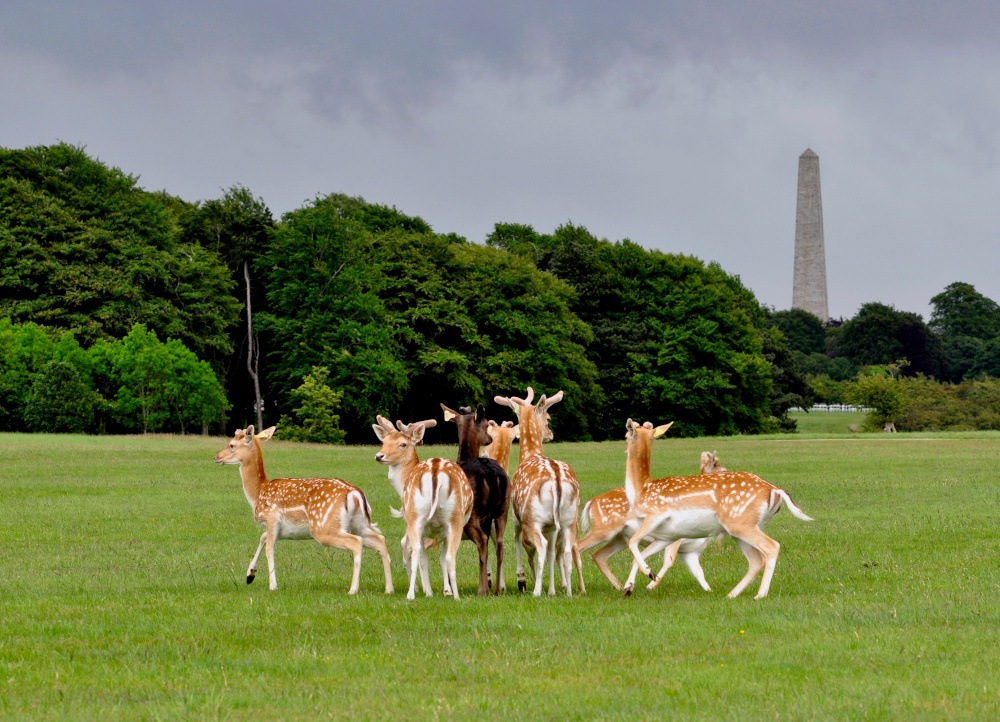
628 590
522 585
250 578
652 575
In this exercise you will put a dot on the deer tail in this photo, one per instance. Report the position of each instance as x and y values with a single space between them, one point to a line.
784 497
585 518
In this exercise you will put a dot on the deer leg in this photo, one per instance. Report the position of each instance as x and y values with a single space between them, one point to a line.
373 540
451 554
482 541
344 540
669 557
518 549
549 560
693 561
499 526
252 569
533 536
414 539
602 555
568 554
768 550
758 551
272 539
648 524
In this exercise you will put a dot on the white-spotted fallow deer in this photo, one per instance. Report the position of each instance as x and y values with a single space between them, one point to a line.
331 511
545 496
608 520
737 503
437 499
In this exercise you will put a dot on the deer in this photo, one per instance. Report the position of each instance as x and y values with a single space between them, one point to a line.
436 496
610 522
503 436
737 503
332 511
545 496
490 501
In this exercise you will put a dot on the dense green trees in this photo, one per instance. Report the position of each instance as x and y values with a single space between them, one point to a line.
83 248
344 309
674 338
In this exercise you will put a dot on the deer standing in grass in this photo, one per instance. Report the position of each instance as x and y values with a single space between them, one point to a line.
545 496
490 500
737 503
610 522
331 511
437 499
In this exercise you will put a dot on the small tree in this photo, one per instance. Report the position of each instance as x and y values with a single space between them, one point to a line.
60 401
316 404
880 391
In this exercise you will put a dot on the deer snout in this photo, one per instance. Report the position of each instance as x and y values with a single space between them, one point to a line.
380 457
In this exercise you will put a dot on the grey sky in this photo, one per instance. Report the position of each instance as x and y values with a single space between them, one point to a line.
677 125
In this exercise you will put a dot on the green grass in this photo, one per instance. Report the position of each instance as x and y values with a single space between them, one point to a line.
122 595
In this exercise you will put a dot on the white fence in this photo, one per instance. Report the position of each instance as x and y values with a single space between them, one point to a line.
833 407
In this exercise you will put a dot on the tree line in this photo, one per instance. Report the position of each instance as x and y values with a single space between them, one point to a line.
342 309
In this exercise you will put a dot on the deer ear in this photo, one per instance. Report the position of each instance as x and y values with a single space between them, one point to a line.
265 434
417 433
630 426
380 432
480 414
661 430
448 413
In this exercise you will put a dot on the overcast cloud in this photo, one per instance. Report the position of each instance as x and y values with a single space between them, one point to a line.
677 125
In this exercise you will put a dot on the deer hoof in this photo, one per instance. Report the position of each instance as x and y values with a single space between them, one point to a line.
628 590
522 585
250 577
652 575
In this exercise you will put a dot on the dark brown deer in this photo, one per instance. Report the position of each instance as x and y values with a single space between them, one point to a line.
489 492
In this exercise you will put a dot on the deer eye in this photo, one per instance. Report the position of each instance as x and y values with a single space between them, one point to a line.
402 444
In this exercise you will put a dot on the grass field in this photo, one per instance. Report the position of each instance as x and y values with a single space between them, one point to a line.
122 595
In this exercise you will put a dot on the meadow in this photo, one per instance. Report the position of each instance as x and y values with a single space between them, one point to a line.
123 594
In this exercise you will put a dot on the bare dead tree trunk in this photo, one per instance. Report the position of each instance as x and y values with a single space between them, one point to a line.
253 353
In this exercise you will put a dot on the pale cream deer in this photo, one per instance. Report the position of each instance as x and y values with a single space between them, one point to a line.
736 503
503 436
331 511
436 496
545 496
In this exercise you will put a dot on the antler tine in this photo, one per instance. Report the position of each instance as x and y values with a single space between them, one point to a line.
531 395
648 424
384 423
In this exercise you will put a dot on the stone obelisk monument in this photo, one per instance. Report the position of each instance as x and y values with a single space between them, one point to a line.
809 282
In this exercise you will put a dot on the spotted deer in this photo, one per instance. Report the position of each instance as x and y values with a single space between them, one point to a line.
608 520
331 511
437 500
737 503
490 500
545 497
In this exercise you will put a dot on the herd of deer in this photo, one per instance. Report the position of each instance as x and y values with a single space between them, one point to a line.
444 501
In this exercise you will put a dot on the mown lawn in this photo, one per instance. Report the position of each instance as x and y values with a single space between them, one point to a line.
122 595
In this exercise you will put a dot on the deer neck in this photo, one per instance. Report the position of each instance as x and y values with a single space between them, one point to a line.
637 468
399 473
253 476
467 449
502 452
531 432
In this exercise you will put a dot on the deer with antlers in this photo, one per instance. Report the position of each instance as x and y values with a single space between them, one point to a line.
609 521
437 499
545 496
331 511
736 503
